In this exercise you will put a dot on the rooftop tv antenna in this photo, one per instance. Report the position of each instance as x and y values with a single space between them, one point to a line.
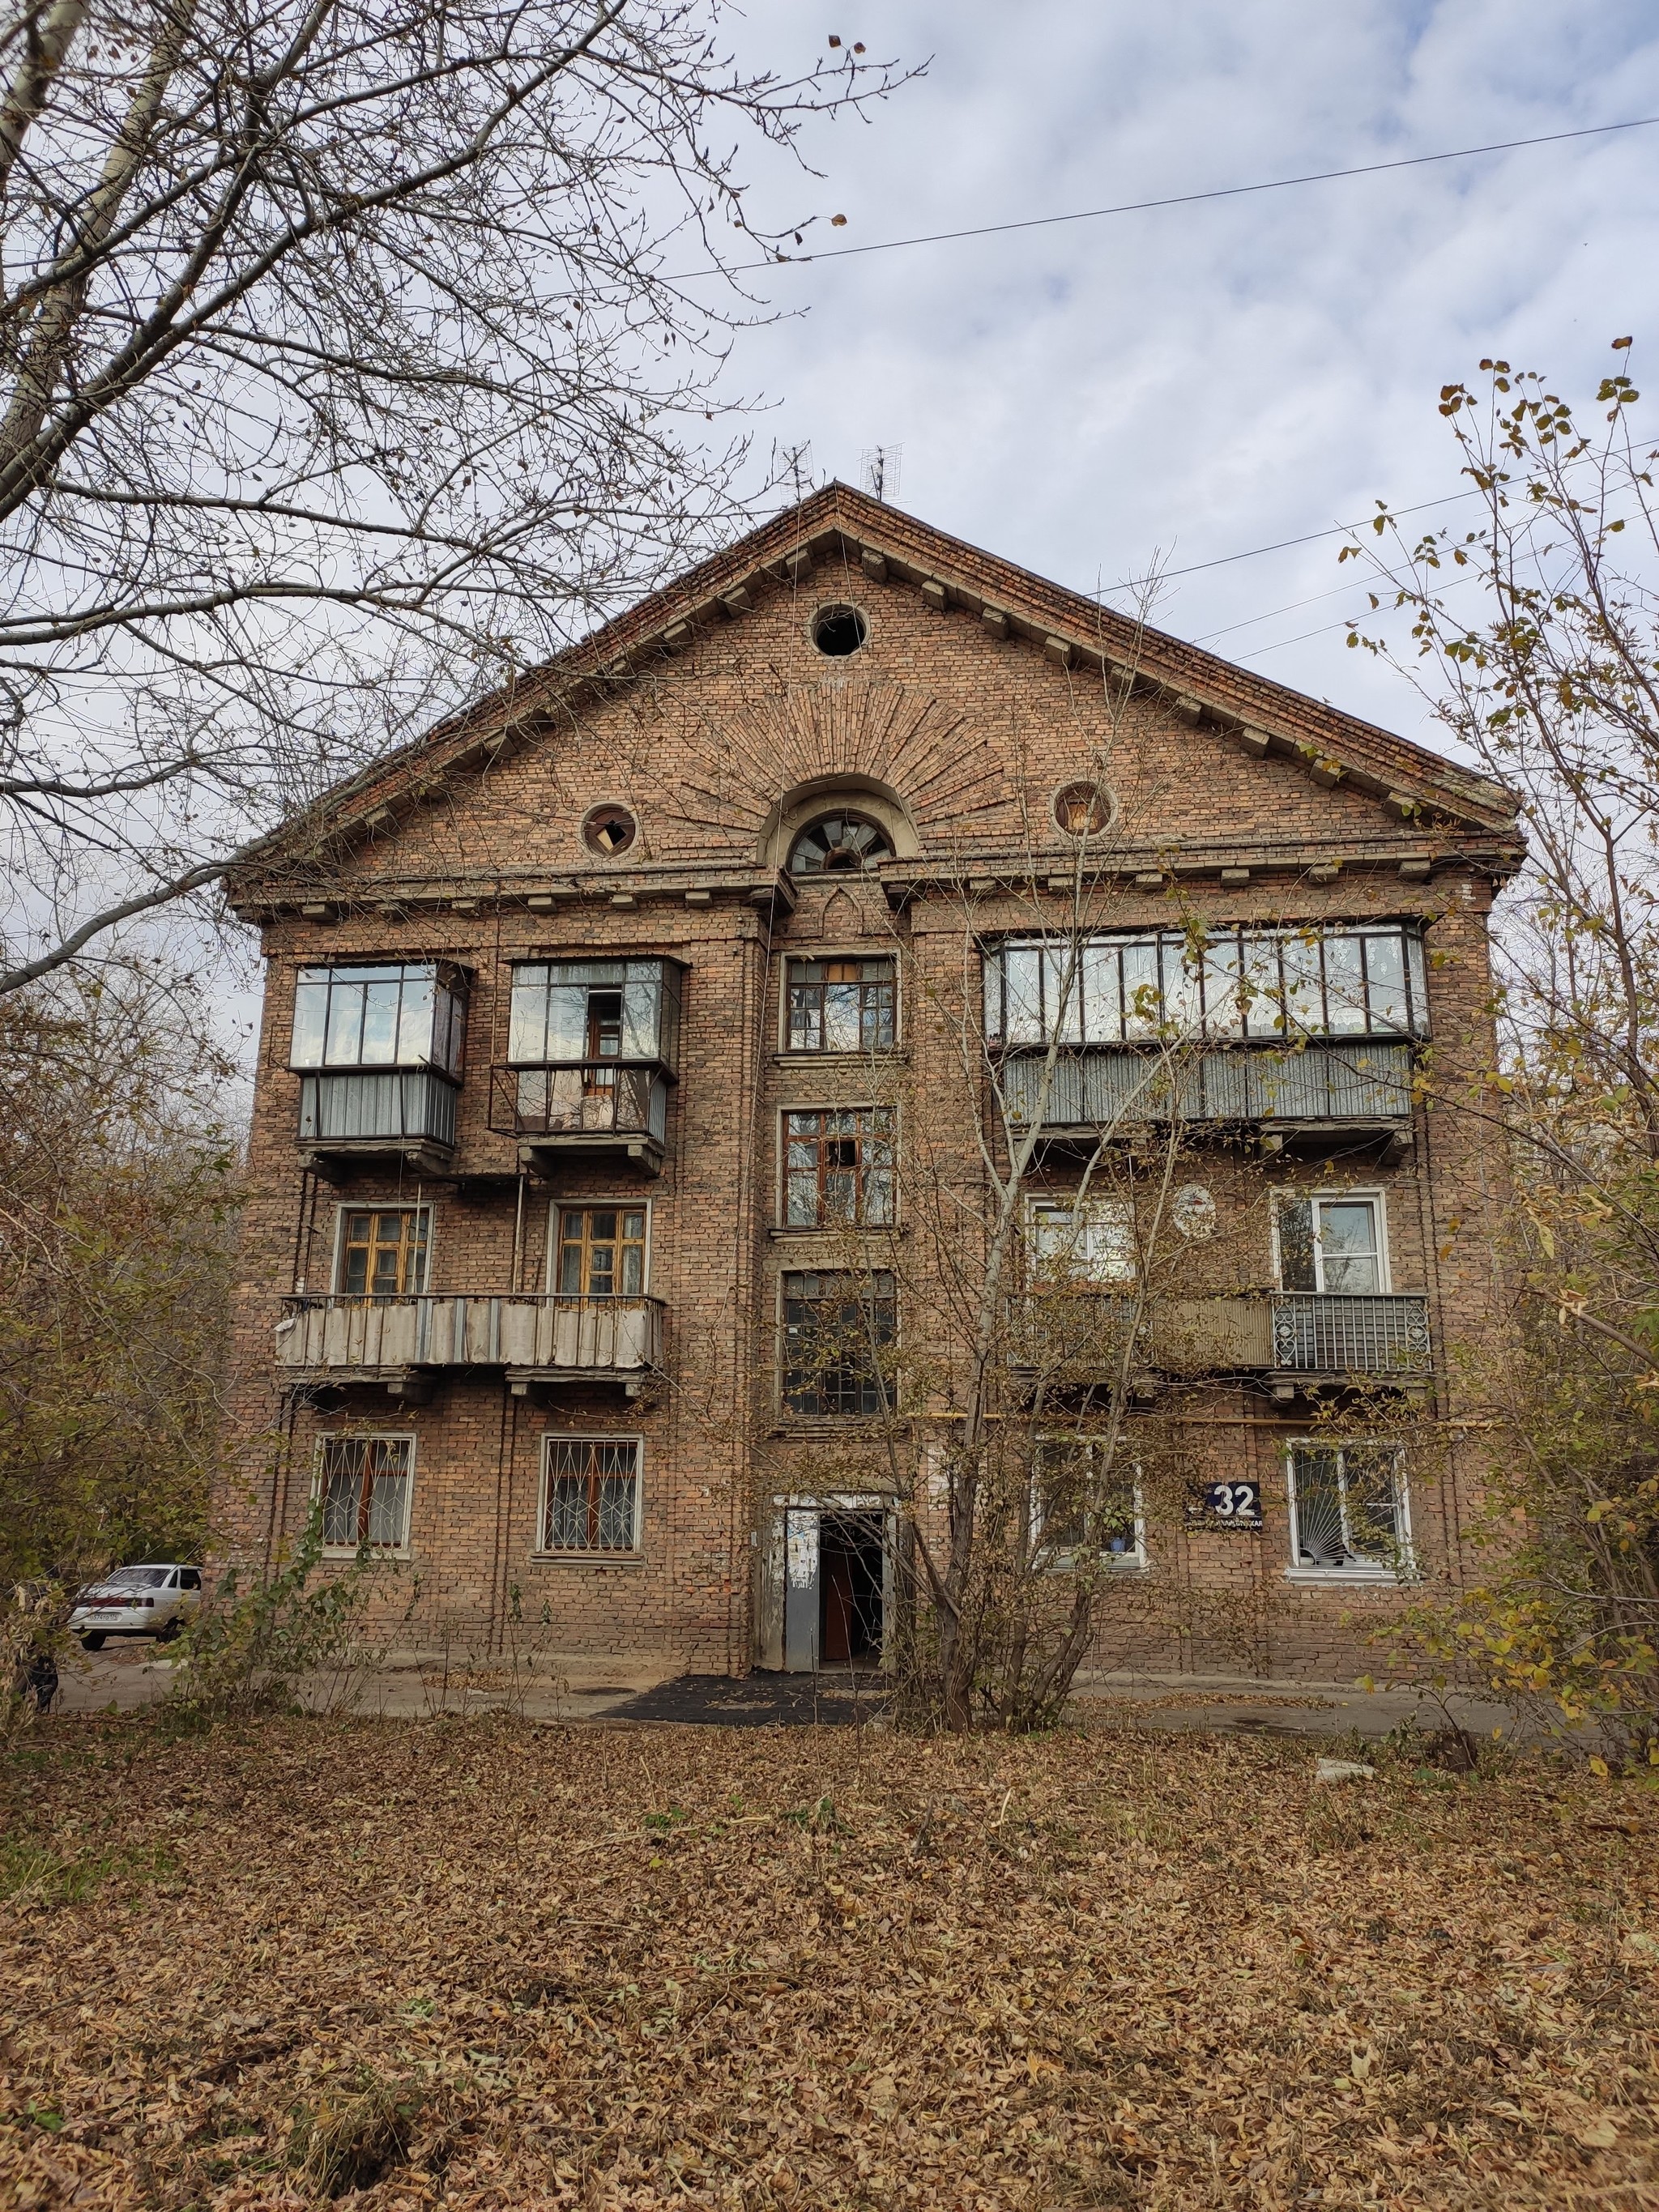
796 465
881 470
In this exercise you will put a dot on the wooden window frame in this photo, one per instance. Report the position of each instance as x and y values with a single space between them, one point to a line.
861 1051
557 1440
556 1211
861 1137
334 1440
421 1210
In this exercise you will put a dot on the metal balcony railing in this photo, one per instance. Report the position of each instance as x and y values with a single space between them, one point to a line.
592 1099
1071 1334
1093 1086
466 1329
1320 1333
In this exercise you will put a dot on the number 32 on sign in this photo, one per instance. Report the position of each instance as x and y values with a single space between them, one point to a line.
1227 1505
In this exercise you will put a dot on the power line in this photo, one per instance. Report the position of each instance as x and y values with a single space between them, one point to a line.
1312 537
781 260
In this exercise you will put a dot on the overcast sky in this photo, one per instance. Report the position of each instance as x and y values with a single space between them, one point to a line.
1207 379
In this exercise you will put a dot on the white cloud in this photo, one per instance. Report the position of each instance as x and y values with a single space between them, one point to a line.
1213 377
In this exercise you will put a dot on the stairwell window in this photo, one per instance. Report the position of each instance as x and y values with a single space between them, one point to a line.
841 1005
838 1328
590 1502
1349 1512
838 1167
383 1252
363 1484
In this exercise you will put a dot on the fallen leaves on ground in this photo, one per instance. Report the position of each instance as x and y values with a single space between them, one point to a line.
489 1964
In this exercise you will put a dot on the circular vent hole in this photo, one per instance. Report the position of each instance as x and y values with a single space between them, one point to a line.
1082 809
839 631
609 831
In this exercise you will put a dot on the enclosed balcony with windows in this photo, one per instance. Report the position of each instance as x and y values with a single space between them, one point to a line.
1303 1031
379 1051
592 1050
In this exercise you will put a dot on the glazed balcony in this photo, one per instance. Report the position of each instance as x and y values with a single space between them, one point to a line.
406 1114
406 1343
1318 1088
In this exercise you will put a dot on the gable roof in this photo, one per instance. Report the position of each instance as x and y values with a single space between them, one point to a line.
1262 716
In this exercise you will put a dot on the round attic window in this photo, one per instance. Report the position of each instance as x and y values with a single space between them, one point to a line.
837 843
839 631
1083 810
609 831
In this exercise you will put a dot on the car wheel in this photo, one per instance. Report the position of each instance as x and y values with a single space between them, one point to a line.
165 1635
91 1643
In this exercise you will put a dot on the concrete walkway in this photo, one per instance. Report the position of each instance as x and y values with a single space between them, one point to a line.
421 1686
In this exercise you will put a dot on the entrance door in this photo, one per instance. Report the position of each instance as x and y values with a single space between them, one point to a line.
852 1572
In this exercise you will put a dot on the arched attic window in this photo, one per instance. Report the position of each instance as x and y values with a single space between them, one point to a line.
837 843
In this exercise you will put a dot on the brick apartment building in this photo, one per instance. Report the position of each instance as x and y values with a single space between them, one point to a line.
598 1026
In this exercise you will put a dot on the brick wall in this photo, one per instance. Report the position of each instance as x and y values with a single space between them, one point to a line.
958 739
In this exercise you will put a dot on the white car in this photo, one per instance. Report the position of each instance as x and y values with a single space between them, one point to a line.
155 1600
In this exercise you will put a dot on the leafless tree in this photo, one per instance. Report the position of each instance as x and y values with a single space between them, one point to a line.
355 357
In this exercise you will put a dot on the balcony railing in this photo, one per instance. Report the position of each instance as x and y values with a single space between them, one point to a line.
1329 1333
1073 1333
540 1334
591 1099
361 1111
1093 1087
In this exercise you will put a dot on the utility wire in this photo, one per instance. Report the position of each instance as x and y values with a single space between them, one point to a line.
1336 530
781 260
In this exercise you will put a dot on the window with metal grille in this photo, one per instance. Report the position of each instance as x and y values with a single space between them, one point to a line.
1240 983
590 1494
838 1167
841 1005
1335 1245
402 1015
601 1252
1348 1509
837 1329
382 1252
1082 1506
364 1484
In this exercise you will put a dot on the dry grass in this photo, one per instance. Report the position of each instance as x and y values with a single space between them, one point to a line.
495 1965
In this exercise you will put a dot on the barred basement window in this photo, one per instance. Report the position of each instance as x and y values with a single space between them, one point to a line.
364 1484
838 1168
841 1005
1349 1510
590 1494
836 1326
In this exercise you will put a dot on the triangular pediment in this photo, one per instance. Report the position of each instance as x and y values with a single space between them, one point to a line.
862 726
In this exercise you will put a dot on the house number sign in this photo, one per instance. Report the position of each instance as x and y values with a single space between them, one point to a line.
1228 1505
